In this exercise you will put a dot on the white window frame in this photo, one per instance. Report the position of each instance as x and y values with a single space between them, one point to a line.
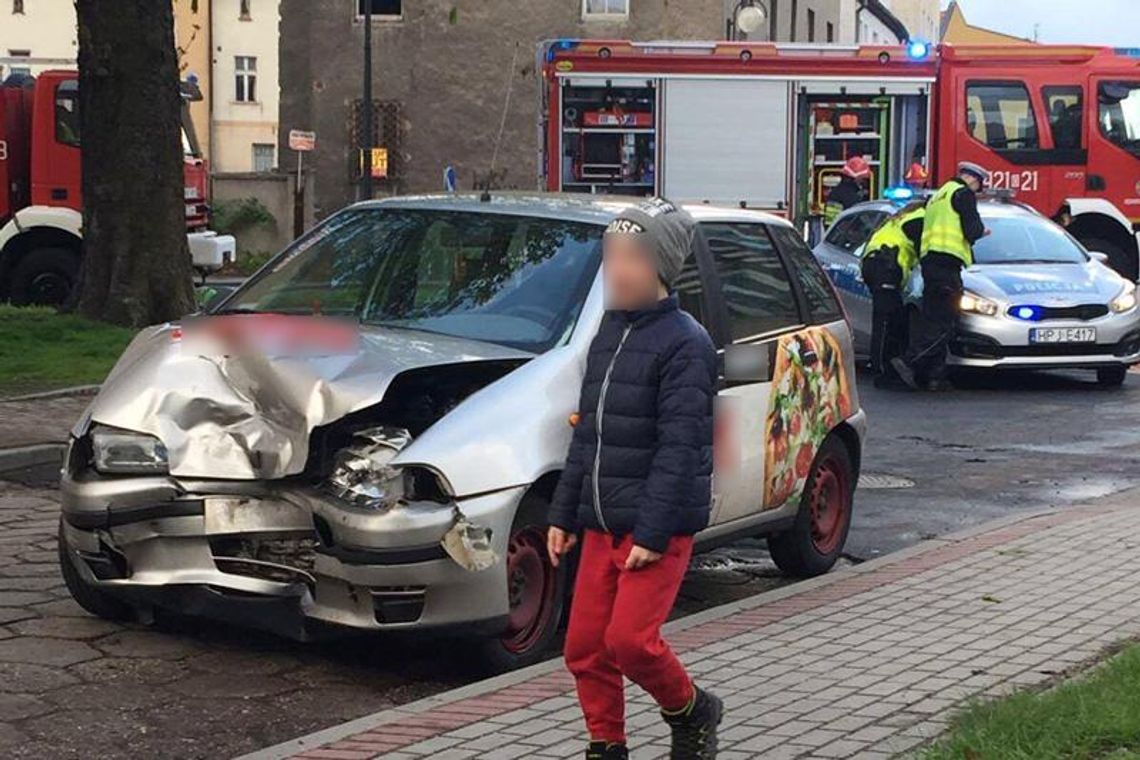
247 74
272 152
588 15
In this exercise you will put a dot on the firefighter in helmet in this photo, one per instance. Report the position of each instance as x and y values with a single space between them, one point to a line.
950 229
850 190
917 177
889 256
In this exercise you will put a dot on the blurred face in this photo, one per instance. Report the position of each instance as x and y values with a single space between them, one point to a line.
972 182
629 273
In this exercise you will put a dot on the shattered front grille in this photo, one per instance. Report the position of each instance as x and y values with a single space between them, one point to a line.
298 553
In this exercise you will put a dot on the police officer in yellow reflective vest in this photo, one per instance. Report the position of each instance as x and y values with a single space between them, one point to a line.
888 258
950 229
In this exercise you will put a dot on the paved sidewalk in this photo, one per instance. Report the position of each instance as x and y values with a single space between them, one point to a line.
867 662
31 422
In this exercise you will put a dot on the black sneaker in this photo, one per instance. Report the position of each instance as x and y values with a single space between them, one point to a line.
904 371
607 751
694 728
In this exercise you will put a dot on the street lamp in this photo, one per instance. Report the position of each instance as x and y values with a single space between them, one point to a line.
366 107
748 17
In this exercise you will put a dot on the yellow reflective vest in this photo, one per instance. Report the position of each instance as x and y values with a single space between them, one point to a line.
942 228
891 234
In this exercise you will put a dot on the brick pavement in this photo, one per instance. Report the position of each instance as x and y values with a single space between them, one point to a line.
869 662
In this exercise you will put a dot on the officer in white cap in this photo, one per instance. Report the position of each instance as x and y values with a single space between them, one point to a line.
951 228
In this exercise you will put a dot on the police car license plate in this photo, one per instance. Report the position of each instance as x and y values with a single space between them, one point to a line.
1062 335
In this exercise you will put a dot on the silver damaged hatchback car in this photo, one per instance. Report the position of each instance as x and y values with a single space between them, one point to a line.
366 433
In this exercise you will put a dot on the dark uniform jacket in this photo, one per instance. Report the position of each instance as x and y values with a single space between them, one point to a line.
640 459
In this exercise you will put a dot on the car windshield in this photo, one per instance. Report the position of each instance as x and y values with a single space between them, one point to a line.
514 280
1026 240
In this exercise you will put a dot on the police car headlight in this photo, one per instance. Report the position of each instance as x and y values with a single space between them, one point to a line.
976 304
1126 301
121 452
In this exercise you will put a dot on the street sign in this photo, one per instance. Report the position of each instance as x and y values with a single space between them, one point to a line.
379 163
302 141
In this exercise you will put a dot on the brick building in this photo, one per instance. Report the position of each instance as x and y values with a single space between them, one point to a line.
455 82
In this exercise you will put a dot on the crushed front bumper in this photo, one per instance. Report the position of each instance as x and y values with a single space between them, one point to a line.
285 559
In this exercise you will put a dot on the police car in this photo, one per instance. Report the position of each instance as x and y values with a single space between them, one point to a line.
1034 298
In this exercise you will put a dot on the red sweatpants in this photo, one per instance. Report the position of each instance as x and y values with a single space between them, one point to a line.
615 630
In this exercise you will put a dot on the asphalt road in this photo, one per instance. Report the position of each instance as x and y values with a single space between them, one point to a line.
72 686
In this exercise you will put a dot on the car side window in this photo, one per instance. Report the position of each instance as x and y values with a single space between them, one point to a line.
758 293
853 230
690 292
818 295
1000 114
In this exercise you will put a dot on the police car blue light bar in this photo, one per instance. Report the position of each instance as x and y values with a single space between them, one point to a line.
899 194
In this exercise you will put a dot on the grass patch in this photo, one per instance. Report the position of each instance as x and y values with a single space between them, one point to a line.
1095 715
41 350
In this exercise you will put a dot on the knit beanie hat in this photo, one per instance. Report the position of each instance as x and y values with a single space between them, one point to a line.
665 230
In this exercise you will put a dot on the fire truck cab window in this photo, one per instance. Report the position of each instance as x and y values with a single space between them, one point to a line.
757 291
1119 114
1000 115
1065 105
67 112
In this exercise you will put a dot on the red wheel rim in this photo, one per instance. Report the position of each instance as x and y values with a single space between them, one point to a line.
531 588
830 506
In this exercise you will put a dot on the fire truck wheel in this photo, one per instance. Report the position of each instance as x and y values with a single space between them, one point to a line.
44 277
1118 258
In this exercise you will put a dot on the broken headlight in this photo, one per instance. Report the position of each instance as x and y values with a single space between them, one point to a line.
122 452
362 474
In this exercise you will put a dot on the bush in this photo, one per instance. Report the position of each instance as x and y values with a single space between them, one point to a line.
231 217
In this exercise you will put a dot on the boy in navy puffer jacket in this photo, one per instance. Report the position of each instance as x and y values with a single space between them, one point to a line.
637 481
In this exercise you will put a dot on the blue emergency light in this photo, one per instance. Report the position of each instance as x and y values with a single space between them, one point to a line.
917 50
900 194
1028 313
559 46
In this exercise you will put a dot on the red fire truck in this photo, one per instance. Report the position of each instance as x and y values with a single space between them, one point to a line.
40 199
770 125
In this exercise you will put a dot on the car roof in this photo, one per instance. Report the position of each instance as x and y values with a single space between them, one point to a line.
993 208
590 209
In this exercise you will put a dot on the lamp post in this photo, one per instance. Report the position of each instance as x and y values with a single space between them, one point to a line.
748 17
366 106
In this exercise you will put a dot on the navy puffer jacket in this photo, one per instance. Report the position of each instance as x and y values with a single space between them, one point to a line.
653 473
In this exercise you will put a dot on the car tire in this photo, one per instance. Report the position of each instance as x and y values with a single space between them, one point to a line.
94 600
44 277
1111 377
537 595
816 539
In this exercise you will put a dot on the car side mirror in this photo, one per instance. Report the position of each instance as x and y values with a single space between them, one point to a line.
1099 256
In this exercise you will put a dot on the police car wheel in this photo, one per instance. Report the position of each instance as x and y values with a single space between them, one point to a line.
816 539
1111 377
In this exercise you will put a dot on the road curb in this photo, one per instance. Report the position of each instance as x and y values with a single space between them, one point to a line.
75 390
327 736
25 457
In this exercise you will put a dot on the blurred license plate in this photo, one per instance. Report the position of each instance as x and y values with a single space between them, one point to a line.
1062 335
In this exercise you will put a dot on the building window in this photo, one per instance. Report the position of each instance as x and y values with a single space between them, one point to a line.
21 70
598 8
811 25
17 6
245 79
830 32
386 133
244 12
382 8
264 155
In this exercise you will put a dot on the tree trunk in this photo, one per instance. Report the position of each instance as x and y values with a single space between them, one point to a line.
136 264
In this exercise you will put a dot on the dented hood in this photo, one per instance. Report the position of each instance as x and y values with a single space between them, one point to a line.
248 415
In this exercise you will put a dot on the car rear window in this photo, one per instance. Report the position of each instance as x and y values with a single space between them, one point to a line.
819 297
